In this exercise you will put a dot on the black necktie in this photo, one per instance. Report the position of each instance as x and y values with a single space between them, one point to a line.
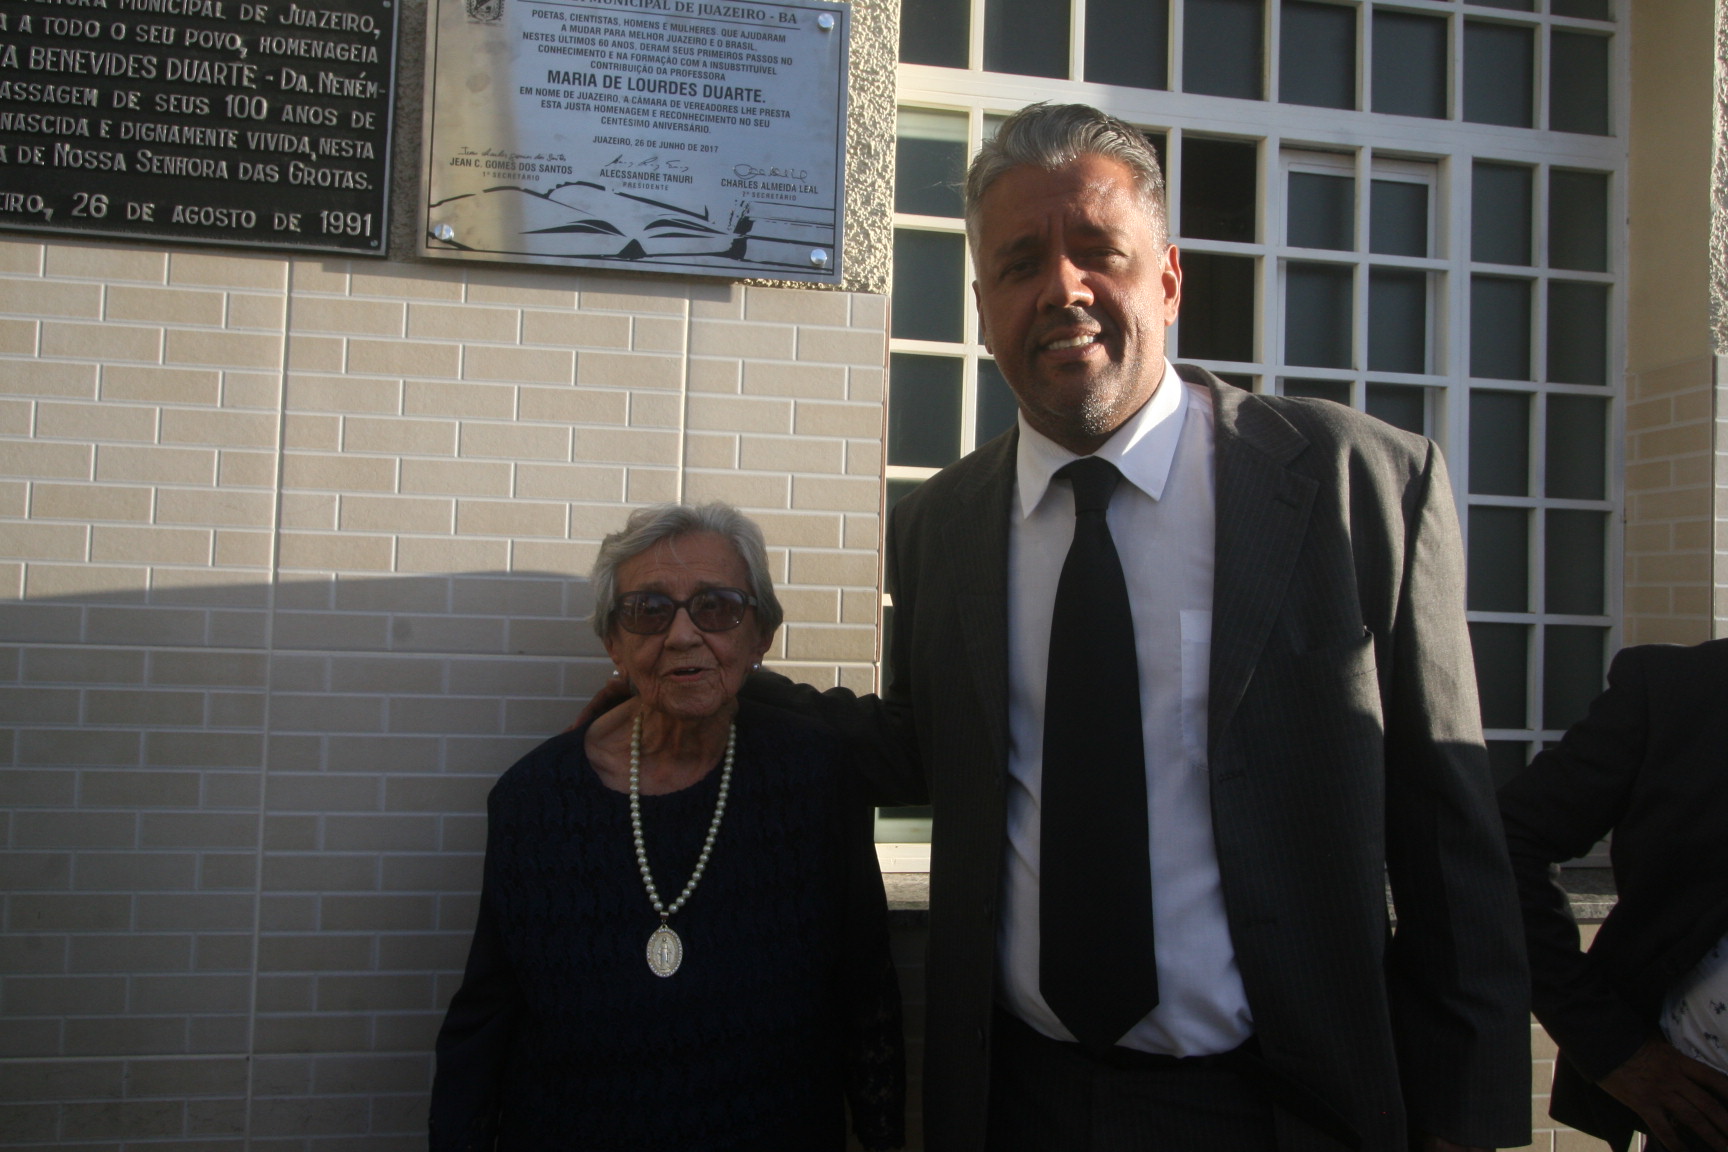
1096 967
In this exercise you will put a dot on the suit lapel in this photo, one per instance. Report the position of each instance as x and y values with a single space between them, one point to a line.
1262 516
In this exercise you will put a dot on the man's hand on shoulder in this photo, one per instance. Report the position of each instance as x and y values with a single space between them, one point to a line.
1676 1096
614 692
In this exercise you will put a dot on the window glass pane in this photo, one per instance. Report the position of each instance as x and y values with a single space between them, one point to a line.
1337 391
1400 405
1577 448
1514 5
1577 332
924 410
1241 380
929 285
1222 47
897 489
1583 9
1317 314
934 32
1507 758
1572 672
1502 673
1499 443
1499 328
1217 318
929 162
996 404
1500 213
1578 220
1026 37
1409 69
1578 83
909 825
1317 55
1322 211
1218 188
1398 218
1499 69
1397 320
1499 561
1128 42
1577 550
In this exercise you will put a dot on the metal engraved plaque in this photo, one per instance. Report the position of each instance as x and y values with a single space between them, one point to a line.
248 122
702 137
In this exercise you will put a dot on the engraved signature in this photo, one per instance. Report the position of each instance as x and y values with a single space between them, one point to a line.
750 171
648 164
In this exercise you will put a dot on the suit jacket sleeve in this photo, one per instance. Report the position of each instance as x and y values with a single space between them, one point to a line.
1456 974
1569 797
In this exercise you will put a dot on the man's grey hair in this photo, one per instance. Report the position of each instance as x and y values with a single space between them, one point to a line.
657 522
1051 135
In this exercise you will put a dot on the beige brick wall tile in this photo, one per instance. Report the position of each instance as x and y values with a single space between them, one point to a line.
515 441
719 302
318 274
101 502
860 607
18 255
576 329
151 305
740 489
315 511
45 461
628 370
796 306
101 341
466 399
18 337
566 405
226 270
518 365
112 544
150 384
220 506
16 417
48 378
456 477
751 341
405 358
117 463
338 473
626 446
864 457
426 554
399 435
857 569
843 345
396 514
341 552
35 297
838 642
345 394
806 381
569 557
89 261
240 469
604 293
791 454
863 530
869 310
259 391
220 429
316 353
95 421
710 450
224 348
43 581
800 529
14 499
407 281
810 605
256 310
713 374
569 482
469 321
527 287
342 315
865 384
509 518
651 485
657 334
656 410
43 541
742 414
817 419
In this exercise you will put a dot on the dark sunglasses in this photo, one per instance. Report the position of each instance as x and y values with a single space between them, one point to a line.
712 610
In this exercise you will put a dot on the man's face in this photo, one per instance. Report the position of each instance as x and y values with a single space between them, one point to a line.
1074 295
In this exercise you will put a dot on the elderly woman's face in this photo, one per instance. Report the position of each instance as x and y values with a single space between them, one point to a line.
684 672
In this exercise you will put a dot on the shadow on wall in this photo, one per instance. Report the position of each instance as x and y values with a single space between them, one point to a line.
242 833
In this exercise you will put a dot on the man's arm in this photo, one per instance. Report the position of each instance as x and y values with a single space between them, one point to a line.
1456 971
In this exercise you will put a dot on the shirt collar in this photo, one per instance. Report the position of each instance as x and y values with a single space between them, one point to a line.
1142 449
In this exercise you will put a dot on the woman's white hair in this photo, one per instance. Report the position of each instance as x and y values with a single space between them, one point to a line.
650 525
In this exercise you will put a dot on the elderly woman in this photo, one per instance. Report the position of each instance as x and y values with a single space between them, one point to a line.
682 940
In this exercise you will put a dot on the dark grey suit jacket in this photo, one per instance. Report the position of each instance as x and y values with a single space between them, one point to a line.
1650 763
1345 749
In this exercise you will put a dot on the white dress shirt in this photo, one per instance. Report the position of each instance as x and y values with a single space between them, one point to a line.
1161 519
1695 1016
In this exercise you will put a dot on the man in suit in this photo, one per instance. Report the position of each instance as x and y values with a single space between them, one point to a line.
1307 729
1649 763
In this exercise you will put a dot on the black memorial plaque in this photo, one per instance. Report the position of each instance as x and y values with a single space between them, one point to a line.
261 123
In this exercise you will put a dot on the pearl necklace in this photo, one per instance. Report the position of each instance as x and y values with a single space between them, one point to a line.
665 948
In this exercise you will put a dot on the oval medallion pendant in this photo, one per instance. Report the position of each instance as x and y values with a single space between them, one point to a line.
665 951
